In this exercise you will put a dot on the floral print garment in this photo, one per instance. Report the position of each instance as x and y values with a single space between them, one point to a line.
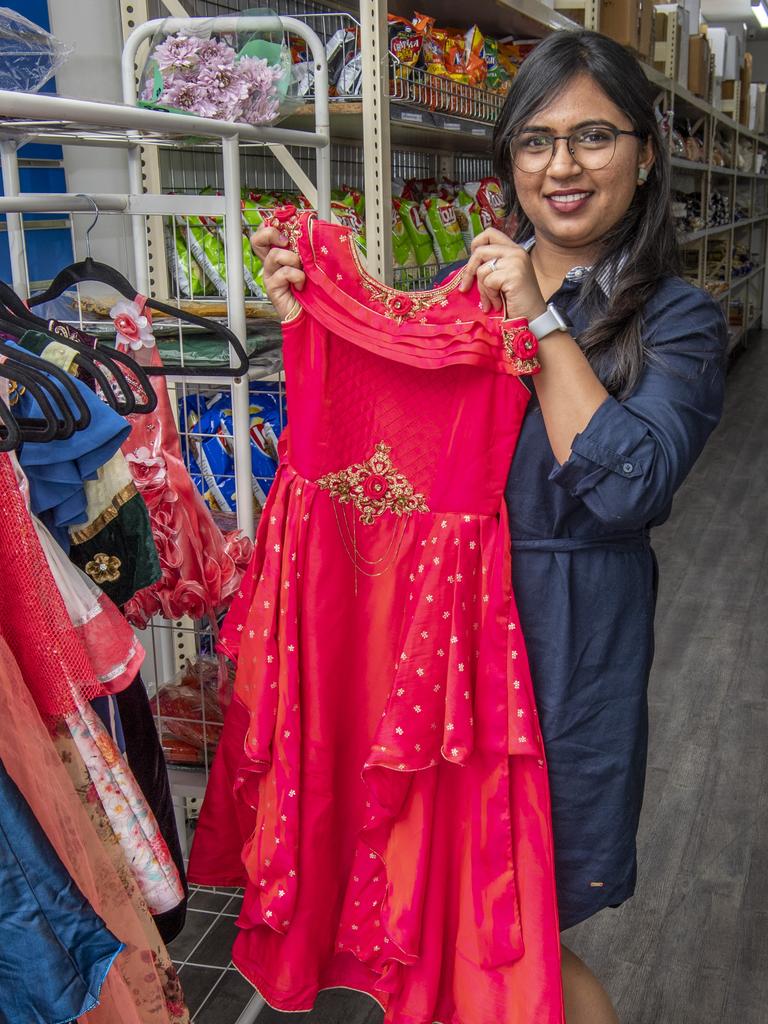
128 813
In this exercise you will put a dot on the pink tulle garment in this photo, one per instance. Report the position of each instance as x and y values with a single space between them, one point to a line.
381 786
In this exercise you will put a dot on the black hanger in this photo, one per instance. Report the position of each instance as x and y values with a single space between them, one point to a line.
123 401
50 427
10 433
90 270
47 374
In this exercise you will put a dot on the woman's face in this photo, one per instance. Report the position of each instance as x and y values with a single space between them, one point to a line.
570 206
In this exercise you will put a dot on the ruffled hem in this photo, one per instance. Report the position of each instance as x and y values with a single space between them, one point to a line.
461 700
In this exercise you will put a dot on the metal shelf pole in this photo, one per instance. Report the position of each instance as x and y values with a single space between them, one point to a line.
9 162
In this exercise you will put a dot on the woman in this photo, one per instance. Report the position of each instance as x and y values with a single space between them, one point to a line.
631 386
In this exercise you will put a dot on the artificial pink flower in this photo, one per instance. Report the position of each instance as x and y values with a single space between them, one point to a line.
132 325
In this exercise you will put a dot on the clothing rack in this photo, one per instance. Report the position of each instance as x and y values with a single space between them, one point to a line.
68 122
63 121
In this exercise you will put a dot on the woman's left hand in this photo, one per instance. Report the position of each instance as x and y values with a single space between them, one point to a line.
505 276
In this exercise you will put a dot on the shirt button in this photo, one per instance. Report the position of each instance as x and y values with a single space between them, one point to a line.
627 467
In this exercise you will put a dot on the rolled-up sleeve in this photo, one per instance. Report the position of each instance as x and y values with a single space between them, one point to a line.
627 463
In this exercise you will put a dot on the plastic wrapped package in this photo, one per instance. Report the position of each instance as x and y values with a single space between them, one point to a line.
417 233
191 715
29 55
208 449
439 217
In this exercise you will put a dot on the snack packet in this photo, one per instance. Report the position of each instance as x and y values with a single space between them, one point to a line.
489 196
402 250
468 217
440 218
404 41
420 238
186 272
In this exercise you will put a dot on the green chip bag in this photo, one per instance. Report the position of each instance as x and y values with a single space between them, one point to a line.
440 219
186 272
419 237
208 249
402 250
468 216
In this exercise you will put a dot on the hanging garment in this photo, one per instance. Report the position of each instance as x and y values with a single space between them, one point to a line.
113 543
34 620
144 754
58 469
142 987
201 566
385 734
45 921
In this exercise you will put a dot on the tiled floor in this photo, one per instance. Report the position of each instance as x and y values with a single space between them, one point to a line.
215 992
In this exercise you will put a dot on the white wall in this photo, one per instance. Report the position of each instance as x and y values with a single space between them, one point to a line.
93 73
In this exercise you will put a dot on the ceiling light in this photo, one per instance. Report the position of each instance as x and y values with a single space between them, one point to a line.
760 12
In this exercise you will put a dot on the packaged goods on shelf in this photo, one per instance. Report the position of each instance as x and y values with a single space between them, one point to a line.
719 209
207 432
686 209
741 262
461 59
416 230
191 715
717 37
439 217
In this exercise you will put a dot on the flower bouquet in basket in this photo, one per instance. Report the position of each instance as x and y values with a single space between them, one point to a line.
191 74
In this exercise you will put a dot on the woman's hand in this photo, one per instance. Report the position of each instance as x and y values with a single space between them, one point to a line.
505 276
282 268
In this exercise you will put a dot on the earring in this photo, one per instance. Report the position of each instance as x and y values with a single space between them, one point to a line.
642 175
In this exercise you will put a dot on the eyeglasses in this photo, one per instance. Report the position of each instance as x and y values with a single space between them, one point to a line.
591 148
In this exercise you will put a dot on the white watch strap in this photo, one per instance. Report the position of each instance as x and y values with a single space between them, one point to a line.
547 323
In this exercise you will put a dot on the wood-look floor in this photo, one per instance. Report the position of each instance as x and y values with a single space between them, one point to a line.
692 946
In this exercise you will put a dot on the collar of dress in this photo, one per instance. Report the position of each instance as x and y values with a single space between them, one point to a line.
607 275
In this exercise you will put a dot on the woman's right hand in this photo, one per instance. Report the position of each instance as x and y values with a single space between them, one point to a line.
282 268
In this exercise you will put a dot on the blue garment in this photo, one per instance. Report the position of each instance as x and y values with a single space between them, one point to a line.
585 577
57 469
55 951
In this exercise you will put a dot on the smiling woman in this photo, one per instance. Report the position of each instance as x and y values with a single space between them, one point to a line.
630 388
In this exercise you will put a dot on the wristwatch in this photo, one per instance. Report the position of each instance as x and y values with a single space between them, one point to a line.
547 322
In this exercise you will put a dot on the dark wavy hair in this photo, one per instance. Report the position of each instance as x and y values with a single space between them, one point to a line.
644 238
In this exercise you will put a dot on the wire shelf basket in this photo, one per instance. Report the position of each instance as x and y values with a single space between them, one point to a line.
420 88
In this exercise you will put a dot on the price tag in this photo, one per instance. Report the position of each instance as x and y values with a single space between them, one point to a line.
411 115
452 126
480 131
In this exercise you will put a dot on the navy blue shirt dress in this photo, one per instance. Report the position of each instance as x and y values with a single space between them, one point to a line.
585 580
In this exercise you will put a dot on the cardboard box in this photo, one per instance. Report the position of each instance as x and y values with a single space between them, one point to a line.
620 19
647 34
698 66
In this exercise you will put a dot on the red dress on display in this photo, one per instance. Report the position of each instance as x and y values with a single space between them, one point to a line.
380 785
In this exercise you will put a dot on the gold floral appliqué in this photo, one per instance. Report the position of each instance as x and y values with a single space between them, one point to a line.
374 487
399 306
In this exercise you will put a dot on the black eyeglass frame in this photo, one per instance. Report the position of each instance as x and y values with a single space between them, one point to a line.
616 132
